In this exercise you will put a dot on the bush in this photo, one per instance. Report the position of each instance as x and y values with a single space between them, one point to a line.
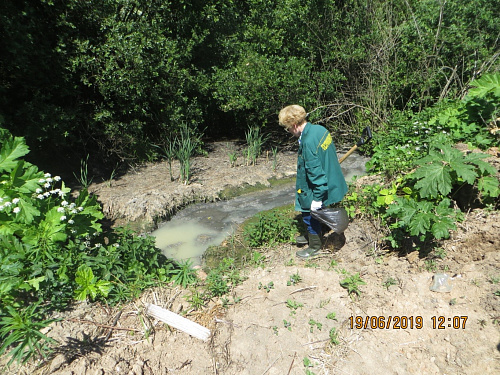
270 227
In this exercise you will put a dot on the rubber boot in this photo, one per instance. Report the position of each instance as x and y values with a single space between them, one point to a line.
301 240
313 249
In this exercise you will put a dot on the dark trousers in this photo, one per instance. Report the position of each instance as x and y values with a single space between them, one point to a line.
313 225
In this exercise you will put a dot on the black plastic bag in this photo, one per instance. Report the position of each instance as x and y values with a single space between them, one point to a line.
335 218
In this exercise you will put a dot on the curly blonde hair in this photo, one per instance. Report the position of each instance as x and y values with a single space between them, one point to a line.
292 115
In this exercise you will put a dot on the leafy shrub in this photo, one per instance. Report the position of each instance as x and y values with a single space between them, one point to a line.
270 227
53 249
472 120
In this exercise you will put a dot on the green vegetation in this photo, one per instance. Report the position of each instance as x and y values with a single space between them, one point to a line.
352 283
54 250
136 84
133 72
270 227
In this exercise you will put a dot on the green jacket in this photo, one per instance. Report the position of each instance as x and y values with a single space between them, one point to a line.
319 176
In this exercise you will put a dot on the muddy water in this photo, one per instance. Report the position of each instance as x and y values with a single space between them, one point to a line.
191 231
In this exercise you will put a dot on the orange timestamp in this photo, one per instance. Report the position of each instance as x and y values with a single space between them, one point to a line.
406 322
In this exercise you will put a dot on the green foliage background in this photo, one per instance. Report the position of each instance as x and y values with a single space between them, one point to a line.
110 77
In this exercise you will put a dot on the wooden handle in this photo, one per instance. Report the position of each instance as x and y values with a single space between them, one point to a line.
353 148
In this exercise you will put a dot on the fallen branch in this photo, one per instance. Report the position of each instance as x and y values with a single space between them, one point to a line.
303 289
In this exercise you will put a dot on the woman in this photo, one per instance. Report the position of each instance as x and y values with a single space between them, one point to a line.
320 181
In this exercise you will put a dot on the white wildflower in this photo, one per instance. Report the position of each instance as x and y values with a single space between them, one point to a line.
63 217
61 193
49 179
16 210
64 203
46 185
98 245
15 200
38 190
47 175
57 178
40 196
46 194
116 245
80 209
72 205
71 221
7 204
417 148
74 211
41 180
60 209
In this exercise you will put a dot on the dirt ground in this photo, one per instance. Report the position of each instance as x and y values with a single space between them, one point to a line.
308 327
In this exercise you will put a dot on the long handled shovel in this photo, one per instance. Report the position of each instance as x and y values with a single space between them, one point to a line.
366 135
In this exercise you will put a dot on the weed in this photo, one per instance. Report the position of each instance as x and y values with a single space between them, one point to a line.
333 264
313 324
275 158
255 141
258 259
290 262
294 279
497 293
307 362
440 253
287 325
84 179
334 336
196 300
482 323
332 316
324 302
267 287
352 283
453 302
185 275
275 330
274 226
21 330
233 156
185 146
389 282
430 265
293 306
221 279
311 264
494 279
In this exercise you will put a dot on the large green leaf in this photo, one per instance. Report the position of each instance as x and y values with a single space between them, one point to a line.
441 228
434 178
11 150
485 84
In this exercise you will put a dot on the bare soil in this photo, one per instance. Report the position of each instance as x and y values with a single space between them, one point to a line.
262 333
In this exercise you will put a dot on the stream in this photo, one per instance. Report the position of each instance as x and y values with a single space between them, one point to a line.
192 230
